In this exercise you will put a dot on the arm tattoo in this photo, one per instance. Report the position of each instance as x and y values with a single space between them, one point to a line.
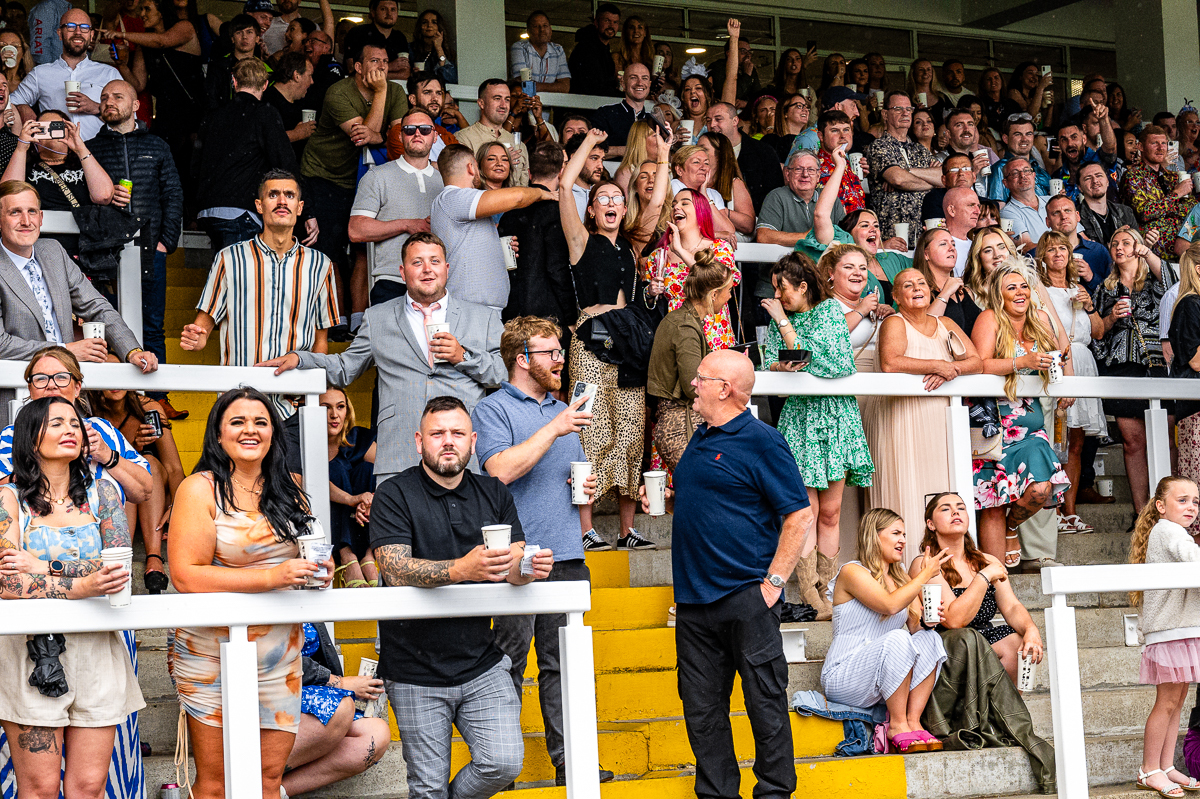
114 525
335 681
399 567
36 740
43 586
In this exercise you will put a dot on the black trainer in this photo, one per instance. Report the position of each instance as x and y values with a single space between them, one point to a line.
634 541
560 775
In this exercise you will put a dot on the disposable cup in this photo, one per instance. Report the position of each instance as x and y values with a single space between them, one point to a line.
805 92
71 86
1196 182
516 136
902 230
659 63
855 162
879 97
1055 371
1104 487
497 536
308 115
922 99
1056 187
370 708
526 74
1006 225
656 492
431 330
690 126
510 257
580 471
93 330
1026 673
987 170
124 556
934 221
931 600
1184 176
308 544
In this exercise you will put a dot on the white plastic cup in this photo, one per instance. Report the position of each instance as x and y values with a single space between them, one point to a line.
510 257
580 471
690 126
1184 177
1006 225
124 556
308 115
902 230
1104 487
659 63
1196 182
93 330
1026 673
431 330
934 222
931 600
1056 187
805 92
922 99
987 170
308 551
497 536
855 162
1055 371
526 74
656 492
72 86
879 97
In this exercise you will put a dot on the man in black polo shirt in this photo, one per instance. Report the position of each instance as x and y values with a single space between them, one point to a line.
426 531
741 512
618 118
381 31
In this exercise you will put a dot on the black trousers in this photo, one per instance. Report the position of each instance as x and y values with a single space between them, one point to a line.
513 634
736 634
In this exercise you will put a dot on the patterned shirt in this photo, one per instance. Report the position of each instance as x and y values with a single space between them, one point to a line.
108 434
890 204
1122 344
851 191
546 69
267 306
1150 193
718 330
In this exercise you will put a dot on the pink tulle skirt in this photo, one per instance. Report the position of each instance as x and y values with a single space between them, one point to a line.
1171 661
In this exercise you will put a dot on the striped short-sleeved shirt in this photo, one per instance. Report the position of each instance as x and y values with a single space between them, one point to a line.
267 306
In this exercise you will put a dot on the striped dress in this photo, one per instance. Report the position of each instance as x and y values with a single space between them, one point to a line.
871 656
267 306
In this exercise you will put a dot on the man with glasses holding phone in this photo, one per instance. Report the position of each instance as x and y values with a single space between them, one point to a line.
904 170
46 86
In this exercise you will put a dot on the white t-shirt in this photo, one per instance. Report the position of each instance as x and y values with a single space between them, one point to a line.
962 249
714 196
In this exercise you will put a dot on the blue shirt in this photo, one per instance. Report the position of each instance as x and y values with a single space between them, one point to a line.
1097 257
109 434
733 486
509 417
998 191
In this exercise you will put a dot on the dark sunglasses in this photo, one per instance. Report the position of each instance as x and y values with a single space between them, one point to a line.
409 130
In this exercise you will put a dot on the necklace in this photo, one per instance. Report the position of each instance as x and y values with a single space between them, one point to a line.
61 500
236 482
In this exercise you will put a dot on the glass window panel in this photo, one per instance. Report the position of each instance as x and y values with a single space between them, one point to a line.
939 49
849 40
565 17
1009 54
705 25
1086 59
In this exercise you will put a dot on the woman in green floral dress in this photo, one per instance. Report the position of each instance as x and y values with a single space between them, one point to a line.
825 433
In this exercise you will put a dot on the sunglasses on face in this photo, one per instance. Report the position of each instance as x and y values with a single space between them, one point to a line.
409 130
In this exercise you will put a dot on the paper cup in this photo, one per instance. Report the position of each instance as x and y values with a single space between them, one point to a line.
510 257
497 536
1184 177
659 63
931 598
369 667
690 126
987 170
1196 182
1055 371
93 330
879 97
656 492
854 160
431 330
580 471
308 115
1006 225
1056 187
902 230
526 74
922 99
1104 487
934 221
531 551
72 86
124 556
805 92
1026 674
308 551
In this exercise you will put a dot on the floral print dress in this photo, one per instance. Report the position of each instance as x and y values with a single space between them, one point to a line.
1027 456
824 433
718 329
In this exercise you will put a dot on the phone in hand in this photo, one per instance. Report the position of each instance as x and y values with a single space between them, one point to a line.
1046 70
1052 147
583 389
812 45
57 129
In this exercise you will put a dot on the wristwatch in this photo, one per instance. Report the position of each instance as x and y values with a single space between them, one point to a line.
56 568
776 580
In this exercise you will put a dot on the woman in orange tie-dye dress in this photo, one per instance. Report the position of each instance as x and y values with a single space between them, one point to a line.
237 518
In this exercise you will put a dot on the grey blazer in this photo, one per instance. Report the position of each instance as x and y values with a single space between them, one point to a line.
21 332
406 380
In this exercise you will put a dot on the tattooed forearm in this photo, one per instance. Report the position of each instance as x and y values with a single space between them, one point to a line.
80 568
42 586
36 740
399 567
114 525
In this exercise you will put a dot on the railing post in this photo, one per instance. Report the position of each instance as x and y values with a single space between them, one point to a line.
315 453
958 442
577 664
129 288
1066 700
1158 443
239 716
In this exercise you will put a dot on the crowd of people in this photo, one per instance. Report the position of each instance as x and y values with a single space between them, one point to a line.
538 291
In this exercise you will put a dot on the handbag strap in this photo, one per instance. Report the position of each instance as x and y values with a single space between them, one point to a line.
62 185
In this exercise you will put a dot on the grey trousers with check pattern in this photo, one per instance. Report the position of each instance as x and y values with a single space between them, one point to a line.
487 712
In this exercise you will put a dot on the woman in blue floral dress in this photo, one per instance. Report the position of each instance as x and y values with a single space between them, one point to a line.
824 433
1013 340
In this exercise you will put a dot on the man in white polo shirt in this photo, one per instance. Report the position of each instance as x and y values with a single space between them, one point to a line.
46 85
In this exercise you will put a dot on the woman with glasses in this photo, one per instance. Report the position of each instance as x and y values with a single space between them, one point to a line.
794 122
902 171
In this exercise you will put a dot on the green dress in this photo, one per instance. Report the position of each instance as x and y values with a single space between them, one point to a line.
825 433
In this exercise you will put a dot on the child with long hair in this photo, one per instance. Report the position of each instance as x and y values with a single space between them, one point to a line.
1169 626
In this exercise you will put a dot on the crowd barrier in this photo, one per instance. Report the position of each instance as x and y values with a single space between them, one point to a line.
129 274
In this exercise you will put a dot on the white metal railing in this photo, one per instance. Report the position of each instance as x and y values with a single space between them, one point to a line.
239 657
129 274
169 377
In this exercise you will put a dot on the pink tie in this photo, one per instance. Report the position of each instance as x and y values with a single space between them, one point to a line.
428 313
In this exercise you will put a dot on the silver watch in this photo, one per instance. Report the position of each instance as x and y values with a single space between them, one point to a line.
776 580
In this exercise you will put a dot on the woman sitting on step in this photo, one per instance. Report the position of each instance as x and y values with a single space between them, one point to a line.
882 651
975 603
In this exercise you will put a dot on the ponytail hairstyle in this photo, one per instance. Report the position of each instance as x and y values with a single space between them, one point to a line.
1145 523
797 268
706 276
974 557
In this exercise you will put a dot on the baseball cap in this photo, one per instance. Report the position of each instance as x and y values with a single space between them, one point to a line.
836 94
260 7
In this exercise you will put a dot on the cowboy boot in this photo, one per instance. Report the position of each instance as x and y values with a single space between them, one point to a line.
806 576
826 570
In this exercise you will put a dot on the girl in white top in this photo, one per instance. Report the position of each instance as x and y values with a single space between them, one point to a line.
1169 626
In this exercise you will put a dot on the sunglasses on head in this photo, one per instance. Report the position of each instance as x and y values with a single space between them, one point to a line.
409 130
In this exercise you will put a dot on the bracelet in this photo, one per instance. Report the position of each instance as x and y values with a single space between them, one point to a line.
943 299
22 141
113 461
1014 371
860 314
84 158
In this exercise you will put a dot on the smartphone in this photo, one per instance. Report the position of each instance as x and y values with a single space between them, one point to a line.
583 389
55 130
1052 146
1046 70
801 357
812 45
530 88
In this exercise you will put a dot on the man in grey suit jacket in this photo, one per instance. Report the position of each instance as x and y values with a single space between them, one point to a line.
460 360
41 288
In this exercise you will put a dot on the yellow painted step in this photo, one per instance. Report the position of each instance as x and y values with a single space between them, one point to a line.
181 297
609 569
650 649
622 751
629 608
184 276
875 777
669 747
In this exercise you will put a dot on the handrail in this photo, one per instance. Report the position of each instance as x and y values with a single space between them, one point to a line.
239 657
1062 651
129 273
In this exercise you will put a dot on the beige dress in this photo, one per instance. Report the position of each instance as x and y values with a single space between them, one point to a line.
907 438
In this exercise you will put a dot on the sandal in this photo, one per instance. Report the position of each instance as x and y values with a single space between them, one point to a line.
1190 786
1174 792
155 581
1073 524
346 583
909 742
932 744
1012 557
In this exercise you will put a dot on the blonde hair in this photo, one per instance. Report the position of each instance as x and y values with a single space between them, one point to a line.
831 258
1114 274
871 556
1050 239
635 147
349 422
1145 523
974 276
1006 337
680 157
1189 273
